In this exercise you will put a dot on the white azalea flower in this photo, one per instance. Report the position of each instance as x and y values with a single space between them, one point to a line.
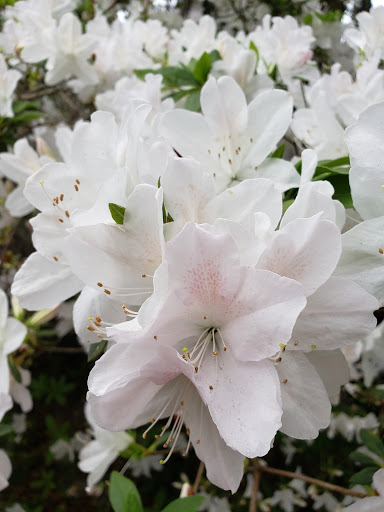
96 457
231 139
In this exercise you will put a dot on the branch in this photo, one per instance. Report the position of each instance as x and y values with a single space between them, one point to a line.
310 480
39 93
255 487
62 350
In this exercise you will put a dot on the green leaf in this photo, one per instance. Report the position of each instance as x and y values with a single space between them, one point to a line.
363 477
117 213
123 494
202 68
20 106
173 76
193 102
362 458
28 115
253 47
189 504
14 369
335 163
342 193
5 430
96 350
307 19
372 442
278 153
215 55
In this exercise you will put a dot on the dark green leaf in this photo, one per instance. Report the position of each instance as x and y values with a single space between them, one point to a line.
342 193
117 213
5 430
363 477
193 102
123 494
202 68
190 504
96 350
344 160
215 55
372 442
362 458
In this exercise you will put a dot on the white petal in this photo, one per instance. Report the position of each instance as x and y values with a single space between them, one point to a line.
280 171
373 504
41 283
306 250
5 470
15 333
339 313
306 406
5 404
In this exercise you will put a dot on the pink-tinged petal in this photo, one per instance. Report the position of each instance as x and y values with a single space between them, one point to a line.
14 335
270 114
306 250
306 406
240 203
224 106
362 259
339 313
333 369
41 283
244 401
203 270
224 466
250 325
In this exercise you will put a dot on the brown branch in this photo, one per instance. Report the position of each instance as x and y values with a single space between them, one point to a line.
255 487
199 475
310 480
32 95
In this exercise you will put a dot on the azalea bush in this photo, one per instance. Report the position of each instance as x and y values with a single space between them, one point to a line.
192 244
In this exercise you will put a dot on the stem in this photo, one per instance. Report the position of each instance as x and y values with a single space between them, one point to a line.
63 350
39 93
255 487
199 475
310 480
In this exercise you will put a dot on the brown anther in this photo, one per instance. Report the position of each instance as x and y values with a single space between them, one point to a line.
97 323
225 349
183 356
198 441
107 291
163 427
76 188
155 337
144 436
255 167
196 369
56 258
218 155
100 336
78 182
67 213
61 197
214 353
100 284
187 431
237 151
56 200
209 151
239 148
251 140
211 387
171 440
90 328
229 161
278 360
152 420
381 250
157 436
61 220
296 343
165 445
223 148
214 175
184 454
98 319
205 317
285 381
144 275
182 402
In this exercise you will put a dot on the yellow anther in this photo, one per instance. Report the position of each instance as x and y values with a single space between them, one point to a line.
313 346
